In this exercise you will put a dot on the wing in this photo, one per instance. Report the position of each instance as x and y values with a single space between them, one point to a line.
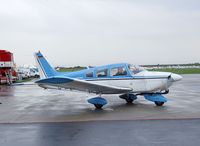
80 85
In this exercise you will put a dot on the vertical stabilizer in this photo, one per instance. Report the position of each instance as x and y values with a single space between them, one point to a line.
44 67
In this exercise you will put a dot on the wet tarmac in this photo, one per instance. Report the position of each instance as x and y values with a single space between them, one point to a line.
103 133
31 115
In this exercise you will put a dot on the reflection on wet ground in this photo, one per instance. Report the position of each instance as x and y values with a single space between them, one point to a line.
103 133
30 103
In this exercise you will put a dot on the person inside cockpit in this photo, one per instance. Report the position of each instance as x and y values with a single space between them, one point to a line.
120 72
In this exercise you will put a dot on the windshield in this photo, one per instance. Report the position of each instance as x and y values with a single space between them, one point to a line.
135 68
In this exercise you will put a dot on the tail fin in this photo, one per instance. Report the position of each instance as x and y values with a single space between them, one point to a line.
44 67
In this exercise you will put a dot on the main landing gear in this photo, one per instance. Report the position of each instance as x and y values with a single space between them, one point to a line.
98 102
128 97
158 103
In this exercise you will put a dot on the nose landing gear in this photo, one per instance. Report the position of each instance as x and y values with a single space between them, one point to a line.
158 99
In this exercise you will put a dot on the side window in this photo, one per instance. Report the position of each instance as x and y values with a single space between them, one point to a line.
89 74
102 73
118 71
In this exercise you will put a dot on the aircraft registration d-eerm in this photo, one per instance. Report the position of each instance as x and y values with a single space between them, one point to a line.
125 79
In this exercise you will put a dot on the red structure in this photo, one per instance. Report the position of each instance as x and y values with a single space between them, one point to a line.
7 72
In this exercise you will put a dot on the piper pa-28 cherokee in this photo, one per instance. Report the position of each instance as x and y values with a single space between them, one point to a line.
127 80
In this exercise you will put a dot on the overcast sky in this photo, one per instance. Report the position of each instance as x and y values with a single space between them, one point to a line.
97 32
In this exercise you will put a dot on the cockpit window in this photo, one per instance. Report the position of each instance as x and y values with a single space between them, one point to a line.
118 71
89 74
102 73
135 68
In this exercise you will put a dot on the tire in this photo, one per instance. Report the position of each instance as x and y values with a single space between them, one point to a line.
98 106
128 100
158 103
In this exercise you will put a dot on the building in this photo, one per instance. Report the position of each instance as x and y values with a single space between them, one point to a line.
7 67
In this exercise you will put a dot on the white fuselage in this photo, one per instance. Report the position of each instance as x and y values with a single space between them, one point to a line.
143 82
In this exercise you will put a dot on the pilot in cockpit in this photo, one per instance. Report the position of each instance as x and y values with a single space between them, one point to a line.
120 72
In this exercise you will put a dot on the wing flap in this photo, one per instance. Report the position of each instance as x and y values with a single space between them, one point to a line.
80 85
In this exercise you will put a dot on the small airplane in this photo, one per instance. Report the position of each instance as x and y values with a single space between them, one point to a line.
125 79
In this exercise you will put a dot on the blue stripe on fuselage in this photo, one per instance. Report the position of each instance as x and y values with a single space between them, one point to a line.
54 80
62 80
125 78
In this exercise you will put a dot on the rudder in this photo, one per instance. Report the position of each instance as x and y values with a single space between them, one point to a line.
44 67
